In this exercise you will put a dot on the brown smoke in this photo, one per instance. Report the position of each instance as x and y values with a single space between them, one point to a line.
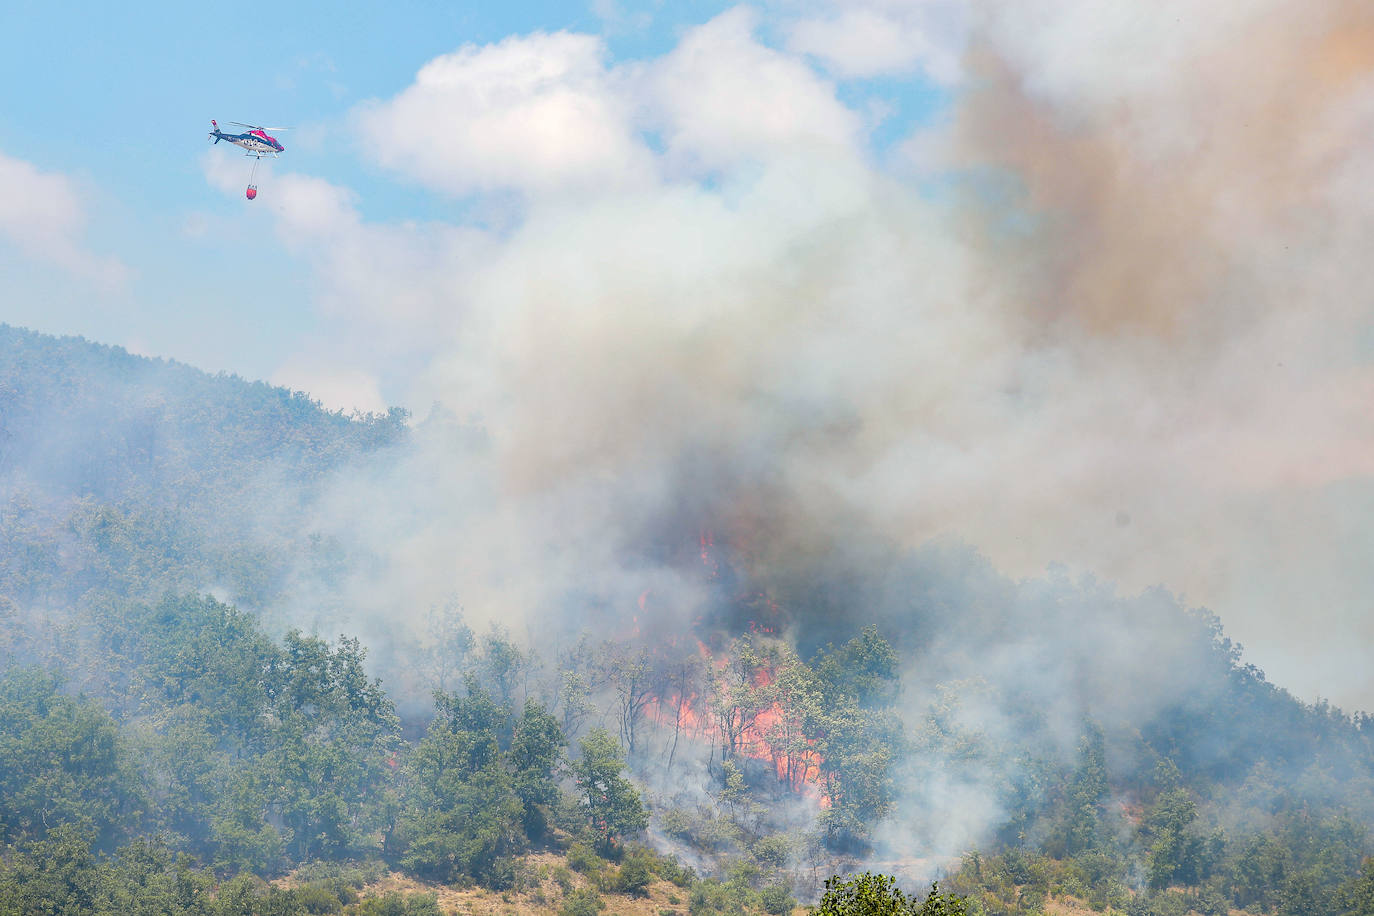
1149 198
1144 360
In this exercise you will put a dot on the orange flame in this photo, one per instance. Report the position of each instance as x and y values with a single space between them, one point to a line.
768 735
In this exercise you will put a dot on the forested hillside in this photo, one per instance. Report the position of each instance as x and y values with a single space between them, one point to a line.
133 475
172 740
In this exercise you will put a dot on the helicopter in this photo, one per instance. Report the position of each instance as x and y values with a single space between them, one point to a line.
255 140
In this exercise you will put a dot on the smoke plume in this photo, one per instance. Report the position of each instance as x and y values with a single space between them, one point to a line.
1111 312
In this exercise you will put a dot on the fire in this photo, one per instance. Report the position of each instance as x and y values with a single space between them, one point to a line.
749 696
798 768
663 712
768 733
708 546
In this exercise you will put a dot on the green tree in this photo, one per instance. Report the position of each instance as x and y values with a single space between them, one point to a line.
1080 827
878 895
865 668
1260 871
335 732
462 812
535 752
62 761
1356 896
449 643
503 665
1176 854
613 806
59 874
855 733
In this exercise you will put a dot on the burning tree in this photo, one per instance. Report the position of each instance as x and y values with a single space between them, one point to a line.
740 695
787 726
827 727
630 675
681 680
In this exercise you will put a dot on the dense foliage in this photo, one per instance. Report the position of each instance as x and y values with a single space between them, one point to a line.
165 751
878 895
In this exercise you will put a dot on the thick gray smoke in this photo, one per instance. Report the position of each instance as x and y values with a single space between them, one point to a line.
1111 313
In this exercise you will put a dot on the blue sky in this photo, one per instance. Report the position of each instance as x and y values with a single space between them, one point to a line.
120 96
118 99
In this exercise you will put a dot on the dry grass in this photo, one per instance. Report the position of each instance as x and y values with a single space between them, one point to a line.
1068 905
1065 905
476 901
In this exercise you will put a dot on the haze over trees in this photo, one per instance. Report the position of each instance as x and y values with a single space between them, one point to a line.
186 714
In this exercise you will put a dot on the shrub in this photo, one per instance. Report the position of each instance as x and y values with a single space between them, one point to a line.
634 876
777 900
323 897
773 852
681 875
677 824
1211 902
584 901
397 903
582 859
710 897
356 875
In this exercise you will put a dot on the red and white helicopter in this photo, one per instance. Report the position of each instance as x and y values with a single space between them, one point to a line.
254 140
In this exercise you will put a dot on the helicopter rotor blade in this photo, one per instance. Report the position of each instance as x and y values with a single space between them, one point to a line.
255 126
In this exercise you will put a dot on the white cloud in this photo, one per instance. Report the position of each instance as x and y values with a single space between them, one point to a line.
383 292
883 38
307 207
311 208
533 113
544 114
43 214
722 98
796 340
